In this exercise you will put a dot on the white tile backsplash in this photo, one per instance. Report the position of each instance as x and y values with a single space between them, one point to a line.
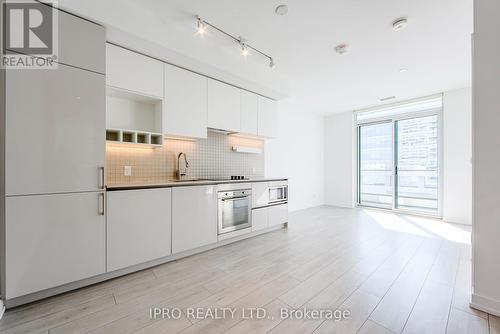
208 158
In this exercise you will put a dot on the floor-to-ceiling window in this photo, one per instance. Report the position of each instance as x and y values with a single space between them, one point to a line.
399 156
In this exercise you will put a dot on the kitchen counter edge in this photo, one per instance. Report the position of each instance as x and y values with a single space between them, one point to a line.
188 183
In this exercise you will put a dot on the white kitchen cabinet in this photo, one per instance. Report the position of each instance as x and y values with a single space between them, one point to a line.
224 105
55 131
268 117
249 113
138 226
278 214
134 72
53 240
260 219
81 43
194 217
260 194
185 105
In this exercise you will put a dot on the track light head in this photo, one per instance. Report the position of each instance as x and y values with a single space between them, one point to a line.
244 50
201 27
272 64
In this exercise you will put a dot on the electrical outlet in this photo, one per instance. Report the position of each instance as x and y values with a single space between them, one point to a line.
127 170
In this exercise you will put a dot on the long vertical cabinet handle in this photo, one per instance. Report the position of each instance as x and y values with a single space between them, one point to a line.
101 177
100 205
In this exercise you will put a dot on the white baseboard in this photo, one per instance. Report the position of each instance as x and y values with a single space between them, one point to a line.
456 220
485 304
341 205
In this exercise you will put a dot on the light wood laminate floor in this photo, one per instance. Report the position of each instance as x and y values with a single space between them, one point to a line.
395 274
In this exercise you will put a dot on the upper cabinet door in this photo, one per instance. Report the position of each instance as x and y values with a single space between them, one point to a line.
224 105
268 117
81 43
249 113
55 131
134 72
185 104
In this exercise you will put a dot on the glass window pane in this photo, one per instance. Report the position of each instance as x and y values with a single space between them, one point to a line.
418 164
376 165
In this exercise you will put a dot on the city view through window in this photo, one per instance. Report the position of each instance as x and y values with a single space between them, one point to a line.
410 183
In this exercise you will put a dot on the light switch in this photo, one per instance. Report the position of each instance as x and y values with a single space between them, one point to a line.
127 170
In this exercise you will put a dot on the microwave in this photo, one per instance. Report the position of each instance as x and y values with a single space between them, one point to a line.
278 194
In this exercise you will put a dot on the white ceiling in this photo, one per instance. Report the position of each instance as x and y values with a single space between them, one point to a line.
435 47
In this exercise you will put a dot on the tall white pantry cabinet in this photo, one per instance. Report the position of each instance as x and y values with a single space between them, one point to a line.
52 166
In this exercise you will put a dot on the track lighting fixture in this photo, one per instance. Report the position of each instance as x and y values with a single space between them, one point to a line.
203 25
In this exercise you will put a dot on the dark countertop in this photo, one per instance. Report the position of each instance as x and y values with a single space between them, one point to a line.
174 183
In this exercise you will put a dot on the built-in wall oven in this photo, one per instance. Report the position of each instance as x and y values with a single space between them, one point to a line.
278 194
234 210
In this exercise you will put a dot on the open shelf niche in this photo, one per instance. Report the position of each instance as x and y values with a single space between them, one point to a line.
132 118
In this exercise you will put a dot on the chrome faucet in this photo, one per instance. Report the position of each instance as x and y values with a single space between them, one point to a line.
181 173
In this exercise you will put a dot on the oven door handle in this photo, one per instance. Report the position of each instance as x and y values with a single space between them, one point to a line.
233 198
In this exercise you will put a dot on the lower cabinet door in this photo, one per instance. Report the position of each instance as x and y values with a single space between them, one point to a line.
194 217
259 219
278 214
52 240
139 226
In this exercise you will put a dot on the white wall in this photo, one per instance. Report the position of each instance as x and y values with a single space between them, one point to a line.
457 155
297 153
486 157
340 162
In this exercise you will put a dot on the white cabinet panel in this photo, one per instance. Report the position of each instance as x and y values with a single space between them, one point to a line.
194 217
249 113
134 72
138 226
278 214
268 117
52 240
55 133
260 194
224 105
185 105
81 43
259 219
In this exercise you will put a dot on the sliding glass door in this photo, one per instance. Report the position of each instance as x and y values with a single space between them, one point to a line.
398 157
